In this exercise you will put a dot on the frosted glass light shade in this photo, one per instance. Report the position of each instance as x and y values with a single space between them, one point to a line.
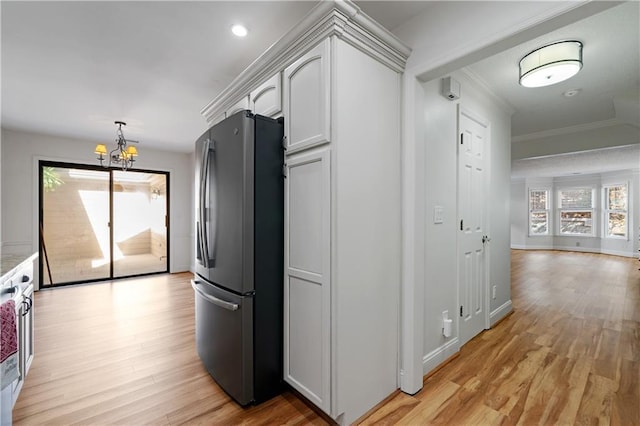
551 64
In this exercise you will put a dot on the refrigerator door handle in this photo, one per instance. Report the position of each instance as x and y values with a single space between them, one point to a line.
219 302
205 209
201 206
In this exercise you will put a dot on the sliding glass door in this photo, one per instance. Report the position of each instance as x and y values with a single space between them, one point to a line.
139 223
97 224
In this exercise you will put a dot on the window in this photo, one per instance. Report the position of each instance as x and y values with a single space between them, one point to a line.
615 211
539 212
576 211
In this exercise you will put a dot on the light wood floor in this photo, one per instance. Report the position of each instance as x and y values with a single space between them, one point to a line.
123 353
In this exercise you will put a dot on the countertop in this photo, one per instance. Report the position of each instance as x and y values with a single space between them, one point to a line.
11 262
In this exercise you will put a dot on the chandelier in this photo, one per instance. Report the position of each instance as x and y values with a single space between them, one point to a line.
123 155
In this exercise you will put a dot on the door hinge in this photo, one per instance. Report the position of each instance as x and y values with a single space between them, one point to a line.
461 310
284 170
284 143
461 224
461 138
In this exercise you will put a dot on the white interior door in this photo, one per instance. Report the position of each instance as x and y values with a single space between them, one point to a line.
473 150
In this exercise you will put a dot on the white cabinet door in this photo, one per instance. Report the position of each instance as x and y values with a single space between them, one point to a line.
239 106
266 99
307 99
307 294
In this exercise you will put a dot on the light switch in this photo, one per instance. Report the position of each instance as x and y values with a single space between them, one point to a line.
438 213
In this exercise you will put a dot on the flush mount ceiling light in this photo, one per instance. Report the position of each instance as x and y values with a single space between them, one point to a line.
239 30
551 64
123 155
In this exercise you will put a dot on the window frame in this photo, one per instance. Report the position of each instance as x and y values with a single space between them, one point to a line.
591 210
606 211
531 211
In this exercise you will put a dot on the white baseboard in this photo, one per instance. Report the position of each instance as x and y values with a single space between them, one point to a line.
546 247
439 355
618 253
577 249
500 312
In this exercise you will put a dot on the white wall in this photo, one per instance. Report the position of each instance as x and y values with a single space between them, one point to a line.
519 211
444 39
563 142
440 177
620 247
21 152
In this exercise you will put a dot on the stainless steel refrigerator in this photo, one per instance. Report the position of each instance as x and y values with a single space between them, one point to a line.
238 282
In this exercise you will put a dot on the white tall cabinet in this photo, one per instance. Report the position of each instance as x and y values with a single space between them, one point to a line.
341 87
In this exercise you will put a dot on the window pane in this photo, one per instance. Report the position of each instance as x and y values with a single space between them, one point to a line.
539 223
75 225
576 198
538 200
617 226
617 197
139 225
575 222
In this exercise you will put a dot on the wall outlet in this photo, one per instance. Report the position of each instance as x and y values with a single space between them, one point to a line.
494 289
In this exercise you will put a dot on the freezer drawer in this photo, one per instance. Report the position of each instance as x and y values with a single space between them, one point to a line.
224 338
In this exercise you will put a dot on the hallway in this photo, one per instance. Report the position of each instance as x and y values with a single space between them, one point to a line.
570 352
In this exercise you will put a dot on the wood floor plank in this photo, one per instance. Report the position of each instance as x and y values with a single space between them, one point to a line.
123 353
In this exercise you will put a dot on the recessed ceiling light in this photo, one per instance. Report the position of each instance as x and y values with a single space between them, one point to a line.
239 30
571 92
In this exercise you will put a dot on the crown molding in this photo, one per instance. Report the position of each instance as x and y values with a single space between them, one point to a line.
340 18
567 130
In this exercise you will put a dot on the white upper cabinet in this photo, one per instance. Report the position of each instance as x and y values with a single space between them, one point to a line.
307 94
242 104
266 99
218 118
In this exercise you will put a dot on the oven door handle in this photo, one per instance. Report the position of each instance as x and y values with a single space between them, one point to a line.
219 302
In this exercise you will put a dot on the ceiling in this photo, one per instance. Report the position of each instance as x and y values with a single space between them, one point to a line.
72 68
610 75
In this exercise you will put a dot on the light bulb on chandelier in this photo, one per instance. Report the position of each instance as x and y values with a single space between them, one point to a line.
123 155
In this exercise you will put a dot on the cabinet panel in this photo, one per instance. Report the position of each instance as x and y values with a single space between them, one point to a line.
305 335
307 99
267 98
307 276
239 106
305 217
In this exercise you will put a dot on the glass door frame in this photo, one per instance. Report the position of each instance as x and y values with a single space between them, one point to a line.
46 163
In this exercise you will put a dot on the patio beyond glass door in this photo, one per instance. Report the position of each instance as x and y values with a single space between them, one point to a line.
100 224
74 225
139 223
